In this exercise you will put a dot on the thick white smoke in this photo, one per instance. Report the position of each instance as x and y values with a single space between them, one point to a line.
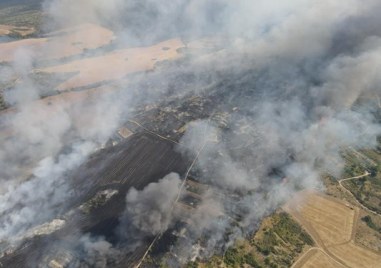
150 210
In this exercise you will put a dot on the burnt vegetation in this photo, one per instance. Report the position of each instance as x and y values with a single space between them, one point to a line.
277 243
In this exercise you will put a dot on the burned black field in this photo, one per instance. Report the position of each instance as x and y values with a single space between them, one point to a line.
141 159
145 149
150 151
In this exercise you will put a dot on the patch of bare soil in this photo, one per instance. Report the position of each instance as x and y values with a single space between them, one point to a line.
116 64
58 45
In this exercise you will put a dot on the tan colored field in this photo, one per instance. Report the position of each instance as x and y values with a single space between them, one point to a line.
205 43
318 259
333 221
355 256
60 44
22 31
141 59
5 29
9 50
75 40
117 64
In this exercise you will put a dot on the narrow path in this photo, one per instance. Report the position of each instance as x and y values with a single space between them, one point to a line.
177 198
356 177
151 132
308 254
315 236
147 251
354 197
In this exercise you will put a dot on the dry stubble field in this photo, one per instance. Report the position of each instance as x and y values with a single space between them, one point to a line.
332 223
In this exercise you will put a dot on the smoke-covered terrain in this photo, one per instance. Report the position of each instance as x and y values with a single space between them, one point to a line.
259 102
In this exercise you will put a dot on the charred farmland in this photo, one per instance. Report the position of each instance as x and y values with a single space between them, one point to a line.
155 148
136 162
201 148
151 152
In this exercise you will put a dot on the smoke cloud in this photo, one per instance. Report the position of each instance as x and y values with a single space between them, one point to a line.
150 211
295 82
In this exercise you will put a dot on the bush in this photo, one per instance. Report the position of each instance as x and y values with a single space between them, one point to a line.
232 258
368 220
249 259
192 264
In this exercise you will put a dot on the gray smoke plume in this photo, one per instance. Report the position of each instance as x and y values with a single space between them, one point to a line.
150 211
96 251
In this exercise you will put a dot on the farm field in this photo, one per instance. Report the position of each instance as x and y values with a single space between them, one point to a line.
317 259
332 224
359 185
9 30
355 256
60 44
117 64
333 221
21 14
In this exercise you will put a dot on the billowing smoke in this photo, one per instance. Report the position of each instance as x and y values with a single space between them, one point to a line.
41 197
96 251
150 211
296 82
